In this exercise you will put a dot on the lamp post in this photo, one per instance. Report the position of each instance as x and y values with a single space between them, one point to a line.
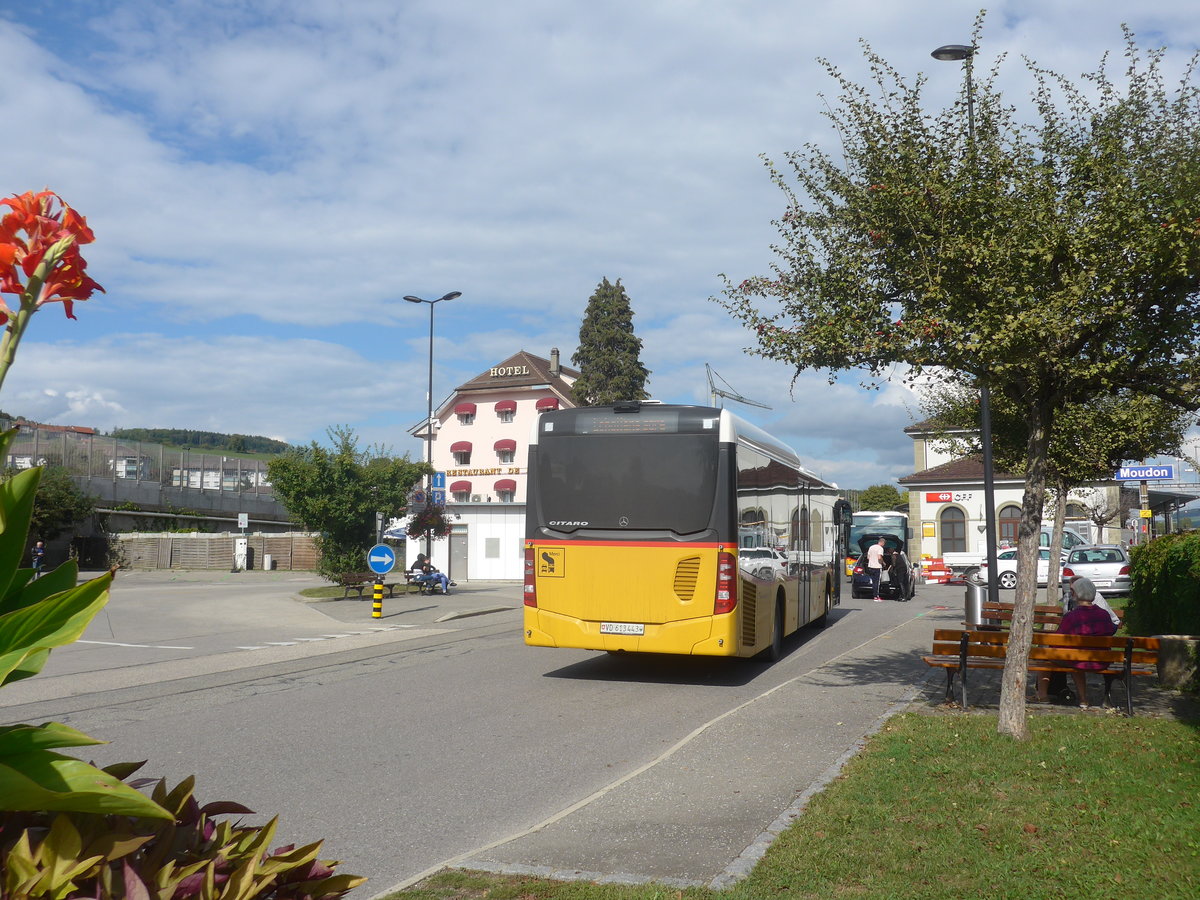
429 402
966 53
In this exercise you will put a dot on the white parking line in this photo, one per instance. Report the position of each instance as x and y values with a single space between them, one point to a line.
143 646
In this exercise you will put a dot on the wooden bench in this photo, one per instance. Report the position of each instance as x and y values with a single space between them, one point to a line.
364 583
1046 617
957 650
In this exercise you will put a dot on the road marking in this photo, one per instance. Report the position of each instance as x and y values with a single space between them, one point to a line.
143 646
281 643
252 648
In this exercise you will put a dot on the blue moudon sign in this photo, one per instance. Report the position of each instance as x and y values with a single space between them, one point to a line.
1145 473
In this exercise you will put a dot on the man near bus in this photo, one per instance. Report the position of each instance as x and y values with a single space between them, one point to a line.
875 565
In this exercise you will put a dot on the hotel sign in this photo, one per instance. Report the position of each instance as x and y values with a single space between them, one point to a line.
508 371
495 470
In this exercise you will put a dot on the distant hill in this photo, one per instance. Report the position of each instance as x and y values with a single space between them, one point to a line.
203 440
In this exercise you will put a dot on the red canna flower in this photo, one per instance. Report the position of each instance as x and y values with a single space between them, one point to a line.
40 239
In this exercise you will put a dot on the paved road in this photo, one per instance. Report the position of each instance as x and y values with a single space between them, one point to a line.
433 737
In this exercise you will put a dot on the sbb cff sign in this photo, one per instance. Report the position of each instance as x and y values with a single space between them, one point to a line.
947 496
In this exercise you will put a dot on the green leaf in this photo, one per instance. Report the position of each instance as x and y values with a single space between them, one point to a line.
52 622
15 739
24 591
16 501
41 780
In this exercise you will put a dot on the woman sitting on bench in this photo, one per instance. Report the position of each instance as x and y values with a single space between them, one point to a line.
1085 618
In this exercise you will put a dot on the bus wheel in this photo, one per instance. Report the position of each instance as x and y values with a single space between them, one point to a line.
822 620
775 652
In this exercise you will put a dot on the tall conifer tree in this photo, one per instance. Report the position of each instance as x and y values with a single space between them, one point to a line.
608 357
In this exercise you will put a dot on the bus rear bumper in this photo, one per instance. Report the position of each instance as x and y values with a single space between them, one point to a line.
704 636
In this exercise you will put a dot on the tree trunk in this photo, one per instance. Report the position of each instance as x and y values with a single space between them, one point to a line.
1053 579
1012 686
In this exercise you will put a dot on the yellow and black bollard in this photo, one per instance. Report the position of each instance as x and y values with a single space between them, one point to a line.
377 611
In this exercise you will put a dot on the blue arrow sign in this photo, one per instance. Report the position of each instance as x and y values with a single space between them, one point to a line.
439 480
381 558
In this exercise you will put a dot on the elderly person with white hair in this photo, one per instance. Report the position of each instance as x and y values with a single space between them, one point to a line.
1085 618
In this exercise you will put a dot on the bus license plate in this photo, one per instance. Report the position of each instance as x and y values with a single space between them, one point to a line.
622 628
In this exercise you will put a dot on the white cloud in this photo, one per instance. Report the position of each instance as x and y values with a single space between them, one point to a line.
267 180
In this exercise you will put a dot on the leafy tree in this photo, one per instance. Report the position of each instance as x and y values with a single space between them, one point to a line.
1089 442
337 490
58 505
608 355
882 497
1053 260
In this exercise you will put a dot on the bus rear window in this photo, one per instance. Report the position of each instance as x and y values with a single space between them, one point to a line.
650 481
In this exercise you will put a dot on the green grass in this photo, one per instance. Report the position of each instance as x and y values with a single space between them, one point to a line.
941 806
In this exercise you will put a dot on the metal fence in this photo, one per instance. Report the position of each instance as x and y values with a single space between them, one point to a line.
94 456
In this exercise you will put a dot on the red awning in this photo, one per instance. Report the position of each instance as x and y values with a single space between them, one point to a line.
464 409
506 484
460 447
548 403
460 487
506 406
505 444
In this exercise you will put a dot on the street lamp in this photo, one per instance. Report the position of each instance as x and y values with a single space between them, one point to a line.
966 53
429 401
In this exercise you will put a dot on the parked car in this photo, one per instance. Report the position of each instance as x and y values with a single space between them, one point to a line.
902 581
1006 566
1106 565
763 562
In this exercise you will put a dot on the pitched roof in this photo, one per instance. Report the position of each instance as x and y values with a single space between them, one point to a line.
965 468
536 371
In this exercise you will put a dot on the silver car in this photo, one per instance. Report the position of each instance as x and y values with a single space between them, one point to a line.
1105 565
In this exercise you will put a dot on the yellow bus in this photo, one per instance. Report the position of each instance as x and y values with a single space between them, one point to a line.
646 526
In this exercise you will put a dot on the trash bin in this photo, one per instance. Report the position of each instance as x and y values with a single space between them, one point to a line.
973 603
268 563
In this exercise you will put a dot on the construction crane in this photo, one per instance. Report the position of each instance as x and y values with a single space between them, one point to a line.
714 392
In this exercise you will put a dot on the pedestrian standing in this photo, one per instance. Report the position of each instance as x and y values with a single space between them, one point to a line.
875 565
39 558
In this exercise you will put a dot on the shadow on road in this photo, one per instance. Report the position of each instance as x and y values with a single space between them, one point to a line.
660 668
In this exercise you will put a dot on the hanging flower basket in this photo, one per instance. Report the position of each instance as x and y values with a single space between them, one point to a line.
429 521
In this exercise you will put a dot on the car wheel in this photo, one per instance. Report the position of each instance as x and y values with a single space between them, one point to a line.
1008 580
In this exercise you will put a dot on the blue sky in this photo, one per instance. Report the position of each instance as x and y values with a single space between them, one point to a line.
267 180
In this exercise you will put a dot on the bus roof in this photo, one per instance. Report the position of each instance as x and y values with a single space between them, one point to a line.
732 429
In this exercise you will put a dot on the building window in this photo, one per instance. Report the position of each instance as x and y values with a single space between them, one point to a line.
954 530
505 496
1076 511
507 456
461 496
1010 518
462 457
466 418
506 415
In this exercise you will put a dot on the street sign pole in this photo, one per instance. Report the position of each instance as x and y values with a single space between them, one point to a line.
380 560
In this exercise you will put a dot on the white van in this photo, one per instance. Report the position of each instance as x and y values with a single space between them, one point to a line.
1070 538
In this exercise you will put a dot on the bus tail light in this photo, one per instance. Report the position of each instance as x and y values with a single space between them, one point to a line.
530 582
726 598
